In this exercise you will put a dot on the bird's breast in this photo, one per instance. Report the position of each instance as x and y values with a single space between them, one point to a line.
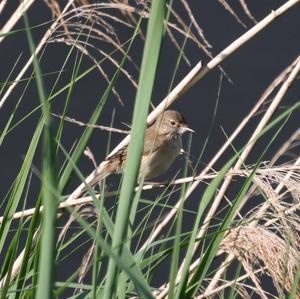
161 159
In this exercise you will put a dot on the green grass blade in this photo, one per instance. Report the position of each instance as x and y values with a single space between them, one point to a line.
6 82
49 187
19 185
294 292
143 97
178 233
24 29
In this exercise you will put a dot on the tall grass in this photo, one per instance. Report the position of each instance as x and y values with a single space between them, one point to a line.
129 243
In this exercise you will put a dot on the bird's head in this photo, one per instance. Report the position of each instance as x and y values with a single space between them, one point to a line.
171 122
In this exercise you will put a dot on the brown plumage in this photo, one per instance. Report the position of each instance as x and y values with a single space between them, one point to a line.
161 147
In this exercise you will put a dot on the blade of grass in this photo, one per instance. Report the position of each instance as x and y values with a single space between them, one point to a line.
4 132
143 97
25 258
97 264
38 49
49 186
38 132
74 75
178 232
19 185
295 287
8 264
6 82
11 32
121 260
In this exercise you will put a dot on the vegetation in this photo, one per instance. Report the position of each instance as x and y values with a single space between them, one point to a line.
60 238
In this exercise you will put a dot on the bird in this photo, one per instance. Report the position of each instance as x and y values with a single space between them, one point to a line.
162 144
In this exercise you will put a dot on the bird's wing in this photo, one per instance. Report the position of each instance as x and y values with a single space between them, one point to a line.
120 156
150 145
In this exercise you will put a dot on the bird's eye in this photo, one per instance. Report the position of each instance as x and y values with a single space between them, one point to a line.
172 122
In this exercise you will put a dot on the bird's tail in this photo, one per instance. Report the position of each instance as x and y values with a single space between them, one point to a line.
100 173
106 168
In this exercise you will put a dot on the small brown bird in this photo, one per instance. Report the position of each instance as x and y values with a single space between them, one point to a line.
161 147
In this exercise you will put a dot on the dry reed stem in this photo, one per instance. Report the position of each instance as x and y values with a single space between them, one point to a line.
281 179
265 119
285 147
78 30
54 7
2 5
178 47
226 284
258 289
274 194
280 152
18 13
62 21
86 262
274 14
187 32
77 44
18 261
212 286
278 80
263 172
145 13
92 14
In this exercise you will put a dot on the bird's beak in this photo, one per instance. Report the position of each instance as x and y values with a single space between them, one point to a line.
184 129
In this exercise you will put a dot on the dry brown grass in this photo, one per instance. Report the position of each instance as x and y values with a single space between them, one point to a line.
258 247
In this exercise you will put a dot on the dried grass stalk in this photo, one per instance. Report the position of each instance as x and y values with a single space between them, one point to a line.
257 245
15 17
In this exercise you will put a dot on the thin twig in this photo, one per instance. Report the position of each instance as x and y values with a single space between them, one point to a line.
82 124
